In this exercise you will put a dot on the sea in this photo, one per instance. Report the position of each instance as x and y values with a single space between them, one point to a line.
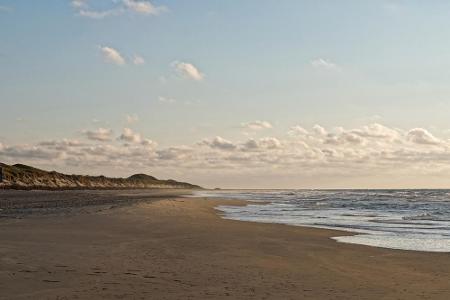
415 220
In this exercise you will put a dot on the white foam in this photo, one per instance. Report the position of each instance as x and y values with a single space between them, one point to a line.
404 242
405 220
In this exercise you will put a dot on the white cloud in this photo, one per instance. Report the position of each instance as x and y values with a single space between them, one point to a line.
422 136
376 130
174 153
79 3
371 150
144 7
130 136
116 8
262 144
133 138
297 130
219 143
162 99
101 134
319 130
324 64
149 143
113 56
98 14
138 60
61 144
28 152
132 118
256 125
187 70
351 138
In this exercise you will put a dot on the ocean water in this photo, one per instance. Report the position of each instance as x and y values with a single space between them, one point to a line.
417 220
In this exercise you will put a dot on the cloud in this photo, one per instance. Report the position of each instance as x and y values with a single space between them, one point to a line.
256 125
99 14
111 55
422 136
61 144
219 143
344 138
130 136
297 130
149 143
117 8
133 138
162 99
319 130
101 134
138 60
28 152
262 144
323 64
132 118
174 153
376 130
317 152
187 70
79 3
144 7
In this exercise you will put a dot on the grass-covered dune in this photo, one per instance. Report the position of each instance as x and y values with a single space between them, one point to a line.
20 176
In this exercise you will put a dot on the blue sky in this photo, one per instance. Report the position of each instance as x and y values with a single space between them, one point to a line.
184 73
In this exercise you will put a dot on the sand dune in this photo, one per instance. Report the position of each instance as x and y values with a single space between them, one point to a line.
25 177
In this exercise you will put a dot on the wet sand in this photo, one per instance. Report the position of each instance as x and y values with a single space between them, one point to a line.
180 248
22 203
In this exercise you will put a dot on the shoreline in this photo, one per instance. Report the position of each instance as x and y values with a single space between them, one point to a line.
397 229
181 248
136 196
334 237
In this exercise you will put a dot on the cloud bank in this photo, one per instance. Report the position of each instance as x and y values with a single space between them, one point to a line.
369 150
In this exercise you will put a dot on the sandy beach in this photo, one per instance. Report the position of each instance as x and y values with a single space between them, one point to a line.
180 248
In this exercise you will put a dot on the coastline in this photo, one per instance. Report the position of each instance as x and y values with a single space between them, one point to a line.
181 248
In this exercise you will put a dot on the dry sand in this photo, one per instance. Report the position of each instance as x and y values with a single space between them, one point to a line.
181 249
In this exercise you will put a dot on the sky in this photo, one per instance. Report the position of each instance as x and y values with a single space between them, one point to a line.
231 94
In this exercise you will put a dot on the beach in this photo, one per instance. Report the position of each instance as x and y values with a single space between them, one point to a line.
173 247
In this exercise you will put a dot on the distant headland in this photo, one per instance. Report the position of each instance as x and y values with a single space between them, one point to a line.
25 177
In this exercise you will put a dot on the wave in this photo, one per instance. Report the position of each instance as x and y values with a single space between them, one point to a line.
411 216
